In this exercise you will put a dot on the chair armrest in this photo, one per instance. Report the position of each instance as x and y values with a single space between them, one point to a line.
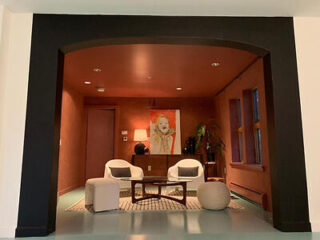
173 172
136 171
107 173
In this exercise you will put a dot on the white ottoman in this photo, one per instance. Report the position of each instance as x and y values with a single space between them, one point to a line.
102 193
213 195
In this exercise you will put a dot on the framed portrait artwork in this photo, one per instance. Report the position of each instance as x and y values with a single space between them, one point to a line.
165 135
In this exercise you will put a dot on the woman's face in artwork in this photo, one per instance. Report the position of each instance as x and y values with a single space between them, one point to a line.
163 125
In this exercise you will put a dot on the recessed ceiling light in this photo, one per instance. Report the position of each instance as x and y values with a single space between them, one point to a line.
215 64
100 89
87 82
179 89
97 70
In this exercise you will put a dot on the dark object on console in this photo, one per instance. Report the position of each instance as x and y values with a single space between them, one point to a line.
191 145
185 151
120 172
139 149
188 171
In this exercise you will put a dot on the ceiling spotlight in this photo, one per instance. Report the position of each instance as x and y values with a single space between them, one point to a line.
100 89
179 89
215 64
97 70
87 82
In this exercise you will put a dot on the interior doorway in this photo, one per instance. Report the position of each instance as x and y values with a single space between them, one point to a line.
100 141
41 159
87 139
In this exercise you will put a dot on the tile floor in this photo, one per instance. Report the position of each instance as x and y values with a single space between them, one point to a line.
249 224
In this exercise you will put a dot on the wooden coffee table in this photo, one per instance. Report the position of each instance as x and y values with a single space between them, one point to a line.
158 182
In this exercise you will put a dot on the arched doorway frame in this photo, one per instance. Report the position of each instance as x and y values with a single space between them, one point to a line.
286 218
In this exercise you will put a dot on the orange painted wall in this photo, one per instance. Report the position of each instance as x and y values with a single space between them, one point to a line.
252 78
73 141
134 113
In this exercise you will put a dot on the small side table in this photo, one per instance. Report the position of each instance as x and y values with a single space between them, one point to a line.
206 169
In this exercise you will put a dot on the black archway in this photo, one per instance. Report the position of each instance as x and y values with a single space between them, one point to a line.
274 40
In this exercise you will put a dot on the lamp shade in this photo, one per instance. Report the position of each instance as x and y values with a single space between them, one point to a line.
140 135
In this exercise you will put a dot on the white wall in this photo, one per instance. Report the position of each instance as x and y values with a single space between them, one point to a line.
307 34
15 41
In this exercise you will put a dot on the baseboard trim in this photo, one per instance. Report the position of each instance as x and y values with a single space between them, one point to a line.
293 226
32 231
249 193
69 189
7 232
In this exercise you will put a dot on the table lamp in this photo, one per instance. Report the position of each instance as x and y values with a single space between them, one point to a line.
139 136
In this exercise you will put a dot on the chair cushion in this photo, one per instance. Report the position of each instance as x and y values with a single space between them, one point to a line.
188 171
120 171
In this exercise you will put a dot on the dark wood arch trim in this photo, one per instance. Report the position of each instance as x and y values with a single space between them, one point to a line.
275 40
164 40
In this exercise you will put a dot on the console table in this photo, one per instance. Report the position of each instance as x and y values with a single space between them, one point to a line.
158 164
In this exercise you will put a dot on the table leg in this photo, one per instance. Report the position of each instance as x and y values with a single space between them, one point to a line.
143 189
133 192
206 172
159 191
215 170
184 199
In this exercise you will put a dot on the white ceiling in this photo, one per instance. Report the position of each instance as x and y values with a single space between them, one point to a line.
170 7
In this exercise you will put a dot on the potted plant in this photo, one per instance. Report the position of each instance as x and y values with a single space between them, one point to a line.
207 138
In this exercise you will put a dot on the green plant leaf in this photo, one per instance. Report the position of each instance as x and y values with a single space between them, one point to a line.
199 125
203 130
215 125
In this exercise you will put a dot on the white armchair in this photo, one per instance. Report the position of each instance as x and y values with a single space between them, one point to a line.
196 181
136 172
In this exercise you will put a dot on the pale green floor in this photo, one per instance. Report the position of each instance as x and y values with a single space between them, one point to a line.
250 223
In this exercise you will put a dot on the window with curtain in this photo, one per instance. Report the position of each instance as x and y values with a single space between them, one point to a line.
236 130
239 130
256 126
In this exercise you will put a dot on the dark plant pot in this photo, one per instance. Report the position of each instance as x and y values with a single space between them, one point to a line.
191 145
211 157
185 151
139 149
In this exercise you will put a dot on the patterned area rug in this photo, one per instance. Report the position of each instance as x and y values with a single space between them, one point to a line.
152 204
